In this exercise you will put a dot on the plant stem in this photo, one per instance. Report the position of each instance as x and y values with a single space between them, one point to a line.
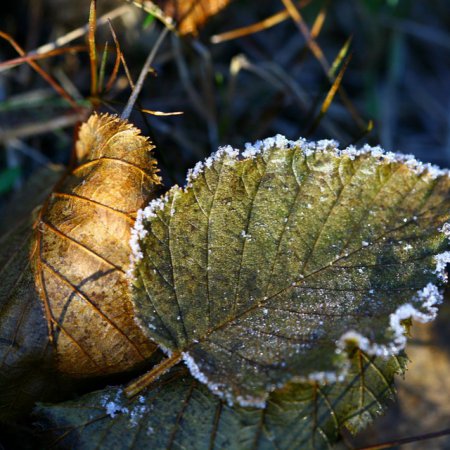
136 386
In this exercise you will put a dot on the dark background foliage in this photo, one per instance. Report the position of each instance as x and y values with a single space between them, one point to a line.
246 89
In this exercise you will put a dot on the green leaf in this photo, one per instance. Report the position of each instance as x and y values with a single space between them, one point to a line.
8 177
266 267
148 21
180 412
26 358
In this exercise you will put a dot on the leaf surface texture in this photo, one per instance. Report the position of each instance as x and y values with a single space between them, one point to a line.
179 412
27 363
83 252
263 265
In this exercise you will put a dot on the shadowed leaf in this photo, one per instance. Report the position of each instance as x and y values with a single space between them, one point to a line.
83 252
27 366
264 269
32 194
179 412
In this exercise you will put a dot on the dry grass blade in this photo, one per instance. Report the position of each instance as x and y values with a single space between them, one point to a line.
329 97
75 34
37 128
58 88
82 237
310 41
142 76
256 27
92 48
162 113
119 57
319 55
340 57
36 56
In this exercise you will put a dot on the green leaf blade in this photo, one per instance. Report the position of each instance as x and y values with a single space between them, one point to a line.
180 412
264 268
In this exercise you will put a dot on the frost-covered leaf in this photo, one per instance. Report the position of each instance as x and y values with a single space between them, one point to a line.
180 412
82 249
265 267
27 367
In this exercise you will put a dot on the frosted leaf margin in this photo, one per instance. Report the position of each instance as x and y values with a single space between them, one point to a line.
423 305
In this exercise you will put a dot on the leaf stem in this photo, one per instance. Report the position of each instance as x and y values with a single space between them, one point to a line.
136 386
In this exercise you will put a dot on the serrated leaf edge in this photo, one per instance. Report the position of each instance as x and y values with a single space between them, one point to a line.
427 298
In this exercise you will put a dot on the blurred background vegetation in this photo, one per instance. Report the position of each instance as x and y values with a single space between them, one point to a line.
395 92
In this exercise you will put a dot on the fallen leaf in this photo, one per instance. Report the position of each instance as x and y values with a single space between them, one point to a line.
82 250
265 268
27 363
180 412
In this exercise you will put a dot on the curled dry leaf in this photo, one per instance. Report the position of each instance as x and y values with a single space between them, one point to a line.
190 15
82 250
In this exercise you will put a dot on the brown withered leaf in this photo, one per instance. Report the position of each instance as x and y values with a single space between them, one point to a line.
190 15
82 250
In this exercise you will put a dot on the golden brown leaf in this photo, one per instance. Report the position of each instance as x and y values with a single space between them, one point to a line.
82 249
190 15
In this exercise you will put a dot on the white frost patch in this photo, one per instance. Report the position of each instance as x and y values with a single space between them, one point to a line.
445 229
134 411
441 262
165 349
139 232
310 147
427 299
194 369
220 389
327 377
113 406
245 235
222 152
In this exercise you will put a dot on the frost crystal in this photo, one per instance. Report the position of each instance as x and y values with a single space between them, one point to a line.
441 262
113 406
445 229
426 299
138 232
219 389
199 168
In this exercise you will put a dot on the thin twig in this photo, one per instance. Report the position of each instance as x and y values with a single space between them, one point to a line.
58 88
75 34
265 24
144 72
